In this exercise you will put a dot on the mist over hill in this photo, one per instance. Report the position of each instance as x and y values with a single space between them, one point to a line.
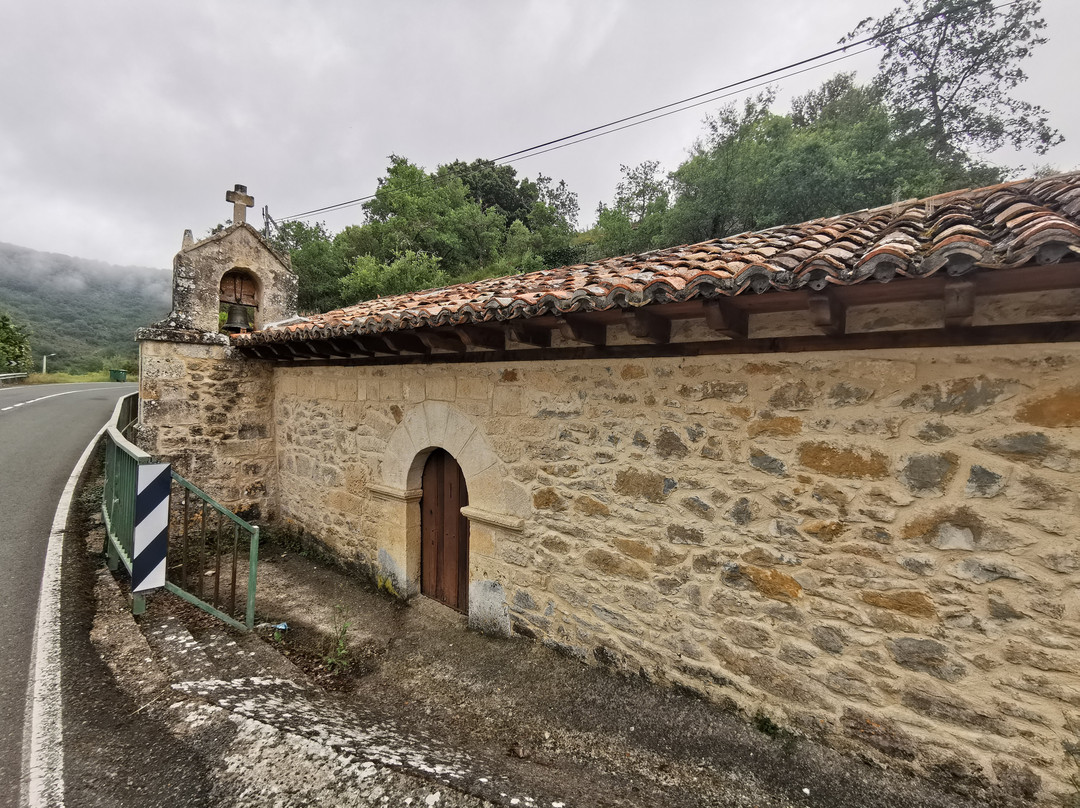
84 311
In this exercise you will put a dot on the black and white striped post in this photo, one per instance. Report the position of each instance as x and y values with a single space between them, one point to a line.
150 542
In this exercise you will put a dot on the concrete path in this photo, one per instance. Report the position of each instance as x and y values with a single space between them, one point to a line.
361 753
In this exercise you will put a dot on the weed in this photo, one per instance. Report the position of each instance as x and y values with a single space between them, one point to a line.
336 658
1072 754
765 725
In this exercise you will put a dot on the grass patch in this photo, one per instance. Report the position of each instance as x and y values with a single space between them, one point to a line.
73 378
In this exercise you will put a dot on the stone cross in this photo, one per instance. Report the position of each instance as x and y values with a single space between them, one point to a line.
240 199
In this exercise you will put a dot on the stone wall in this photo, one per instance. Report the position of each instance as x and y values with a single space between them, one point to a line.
208 411
876 547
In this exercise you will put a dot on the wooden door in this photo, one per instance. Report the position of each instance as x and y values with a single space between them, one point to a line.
444 543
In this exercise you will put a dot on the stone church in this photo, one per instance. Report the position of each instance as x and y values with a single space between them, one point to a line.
826 471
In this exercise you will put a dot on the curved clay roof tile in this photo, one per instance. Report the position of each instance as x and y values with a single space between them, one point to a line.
1001 226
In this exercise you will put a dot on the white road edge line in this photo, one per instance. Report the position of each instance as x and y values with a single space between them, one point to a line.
43 750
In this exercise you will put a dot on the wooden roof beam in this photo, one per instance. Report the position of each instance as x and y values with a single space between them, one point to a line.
442 341
479 337
297 349
529 335
959 302
406 342
376 345
263 351
647 325
827 312
351 346
727 317
577 328
325 348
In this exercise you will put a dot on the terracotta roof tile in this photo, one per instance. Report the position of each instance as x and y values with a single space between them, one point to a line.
999 227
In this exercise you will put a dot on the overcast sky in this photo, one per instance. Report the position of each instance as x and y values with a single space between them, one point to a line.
123 123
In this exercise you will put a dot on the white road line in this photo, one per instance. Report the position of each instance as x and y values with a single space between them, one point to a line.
43 742
54 395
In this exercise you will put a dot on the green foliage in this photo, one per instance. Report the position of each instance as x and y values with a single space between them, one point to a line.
642 190
766 725
120 362
409 271
465 221
317 262
559 199
949 76
943 92
14 347
493 186
86 312
336 658
839 149
634 223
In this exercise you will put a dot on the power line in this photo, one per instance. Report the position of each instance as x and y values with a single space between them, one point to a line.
709 96
843 48
561 145
564 142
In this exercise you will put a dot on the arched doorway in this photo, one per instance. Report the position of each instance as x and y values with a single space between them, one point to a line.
444 532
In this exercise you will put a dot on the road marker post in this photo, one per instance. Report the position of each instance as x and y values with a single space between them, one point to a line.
150 543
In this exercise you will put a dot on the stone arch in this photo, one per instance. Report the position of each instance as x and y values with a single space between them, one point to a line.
437 425
240 286
496 510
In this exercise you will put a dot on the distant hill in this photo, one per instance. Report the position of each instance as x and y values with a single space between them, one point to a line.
84 311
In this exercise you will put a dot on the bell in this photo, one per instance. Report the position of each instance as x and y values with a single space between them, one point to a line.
237 320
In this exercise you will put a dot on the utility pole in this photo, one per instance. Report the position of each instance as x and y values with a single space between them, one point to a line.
268 222
44 362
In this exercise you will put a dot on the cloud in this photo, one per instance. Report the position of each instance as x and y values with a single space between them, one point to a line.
130 120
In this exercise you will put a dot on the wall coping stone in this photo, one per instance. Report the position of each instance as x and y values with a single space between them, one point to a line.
164 334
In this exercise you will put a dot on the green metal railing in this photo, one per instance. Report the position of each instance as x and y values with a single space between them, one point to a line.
206 539
205 566
122 461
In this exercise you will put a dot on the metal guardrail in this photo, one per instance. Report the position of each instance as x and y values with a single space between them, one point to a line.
11 377
122 461
197 550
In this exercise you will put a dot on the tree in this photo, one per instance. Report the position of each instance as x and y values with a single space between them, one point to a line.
316 261
840 149
948 67
408 272
15 356
491 185
413 210
465 221
562 201
642 190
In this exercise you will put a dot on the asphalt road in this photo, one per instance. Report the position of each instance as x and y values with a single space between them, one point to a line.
43 430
